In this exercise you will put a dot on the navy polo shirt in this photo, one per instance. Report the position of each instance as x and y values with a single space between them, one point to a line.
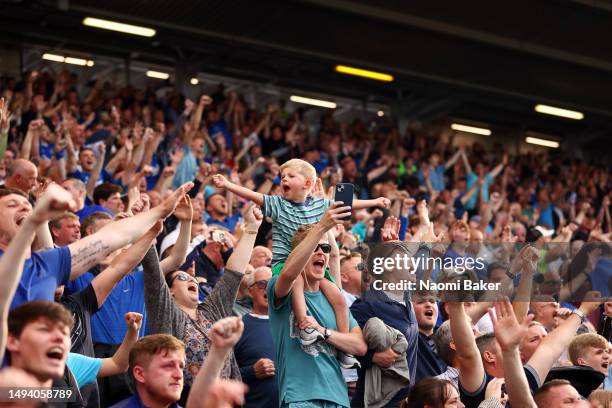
42 273
394 314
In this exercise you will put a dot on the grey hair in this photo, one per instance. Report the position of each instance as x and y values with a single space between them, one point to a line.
251 276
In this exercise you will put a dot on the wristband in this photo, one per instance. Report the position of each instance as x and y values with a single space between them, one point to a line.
250 232
511 275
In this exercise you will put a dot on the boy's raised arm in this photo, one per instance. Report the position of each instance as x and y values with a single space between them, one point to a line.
221 182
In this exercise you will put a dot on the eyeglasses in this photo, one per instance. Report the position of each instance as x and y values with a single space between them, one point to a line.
326 248
183 277
261 284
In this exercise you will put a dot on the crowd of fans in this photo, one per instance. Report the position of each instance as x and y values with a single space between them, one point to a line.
159 251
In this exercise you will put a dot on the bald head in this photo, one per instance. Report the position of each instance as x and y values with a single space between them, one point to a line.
22 175
261 256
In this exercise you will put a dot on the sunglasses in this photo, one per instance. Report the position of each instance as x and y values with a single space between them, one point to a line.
326 248
261 284
183 277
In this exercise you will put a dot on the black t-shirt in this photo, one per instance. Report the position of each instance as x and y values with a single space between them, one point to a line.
82 305
472 400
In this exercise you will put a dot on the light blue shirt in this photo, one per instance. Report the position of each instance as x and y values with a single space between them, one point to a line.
472 179
85 369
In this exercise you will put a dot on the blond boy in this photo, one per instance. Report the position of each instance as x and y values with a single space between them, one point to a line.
294 207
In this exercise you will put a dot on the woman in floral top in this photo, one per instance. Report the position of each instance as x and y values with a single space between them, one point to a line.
173 307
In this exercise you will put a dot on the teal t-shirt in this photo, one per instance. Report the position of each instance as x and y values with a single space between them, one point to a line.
85 369
311 372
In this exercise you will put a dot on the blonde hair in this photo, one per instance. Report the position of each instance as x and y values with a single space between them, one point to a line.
582 342
302 167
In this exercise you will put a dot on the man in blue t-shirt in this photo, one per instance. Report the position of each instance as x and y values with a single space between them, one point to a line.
483 180
310 374
44 271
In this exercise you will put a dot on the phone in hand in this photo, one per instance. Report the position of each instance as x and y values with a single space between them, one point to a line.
344 192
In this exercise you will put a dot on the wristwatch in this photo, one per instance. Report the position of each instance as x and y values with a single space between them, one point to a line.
326 333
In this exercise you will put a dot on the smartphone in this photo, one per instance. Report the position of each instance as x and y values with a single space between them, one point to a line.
344 192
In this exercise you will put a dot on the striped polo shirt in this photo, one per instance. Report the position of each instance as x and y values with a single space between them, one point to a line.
287 217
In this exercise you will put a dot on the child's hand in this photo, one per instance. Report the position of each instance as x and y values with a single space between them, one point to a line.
311 322
383 202
219 181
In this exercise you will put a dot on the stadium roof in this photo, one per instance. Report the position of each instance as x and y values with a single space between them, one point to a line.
484 61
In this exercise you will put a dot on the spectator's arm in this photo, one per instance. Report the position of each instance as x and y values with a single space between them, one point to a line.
377 202
120 361
196 119
352 342
164 316
242 253
26 147
51 205
266 186
334 259
468 195
5 124
248 172
71 156
527 259
136 161
224 334
451 162
114 162
509 334
91 250
95 173
377 172
478 310
57 170
184 213
43 237
121 265
553 345
366 155
221 182
151 148
471 369
497 169
466 162
165 180
242 152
